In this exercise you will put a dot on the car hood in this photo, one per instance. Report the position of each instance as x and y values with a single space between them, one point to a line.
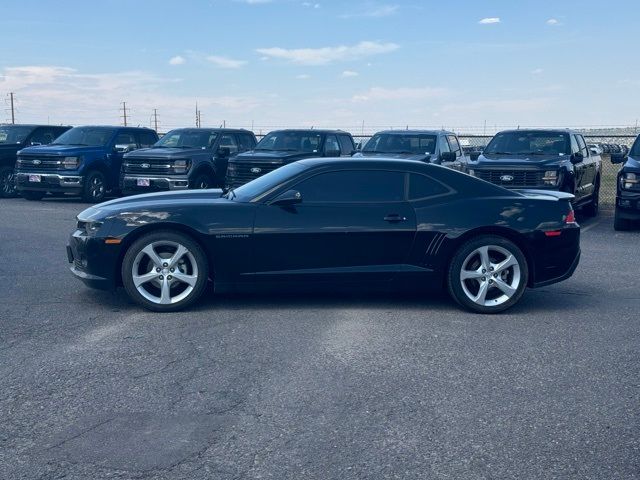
632 163
62 150
401 156
165 152
522 161
153 203
273 155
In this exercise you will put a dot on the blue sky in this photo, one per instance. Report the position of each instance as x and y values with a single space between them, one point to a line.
284 62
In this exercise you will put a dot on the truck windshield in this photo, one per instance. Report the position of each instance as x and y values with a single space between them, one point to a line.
193 138
635 150
14 134
401 143
265 183
291 141
529 143
86 136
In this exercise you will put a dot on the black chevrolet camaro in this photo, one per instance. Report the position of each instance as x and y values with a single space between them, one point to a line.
354 223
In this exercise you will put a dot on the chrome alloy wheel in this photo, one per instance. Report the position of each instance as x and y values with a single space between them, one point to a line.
490 275
164 272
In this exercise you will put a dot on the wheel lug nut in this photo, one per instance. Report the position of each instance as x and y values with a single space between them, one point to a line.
158 270
495 275
172 270
484 279
169 277
490 281
165 264
491 269
484 271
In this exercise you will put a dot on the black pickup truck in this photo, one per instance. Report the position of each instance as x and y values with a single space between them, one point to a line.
184 158
628 188
430 146
281 147
542 159
14 138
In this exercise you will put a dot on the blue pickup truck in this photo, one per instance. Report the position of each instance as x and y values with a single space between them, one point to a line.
83 161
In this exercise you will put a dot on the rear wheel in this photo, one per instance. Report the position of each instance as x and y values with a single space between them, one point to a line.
621 224
7 183
32 194
165 271
95 187
488 274
202 181
592 208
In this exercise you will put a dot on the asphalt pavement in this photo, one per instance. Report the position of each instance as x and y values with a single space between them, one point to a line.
317 386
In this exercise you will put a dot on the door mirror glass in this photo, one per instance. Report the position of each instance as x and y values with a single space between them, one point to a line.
290 197
474 155
224 151
120 148
618 158
448 157
577 158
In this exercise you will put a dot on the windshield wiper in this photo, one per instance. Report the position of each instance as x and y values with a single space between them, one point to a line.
264 149
72 144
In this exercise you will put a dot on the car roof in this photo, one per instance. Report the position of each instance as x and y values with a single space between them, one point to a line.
414 132
368 162
115 126
542 130
214 129
314 130
32 125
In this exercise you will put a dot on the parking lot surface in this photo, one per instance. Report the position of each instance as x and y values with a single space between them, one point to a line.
314 387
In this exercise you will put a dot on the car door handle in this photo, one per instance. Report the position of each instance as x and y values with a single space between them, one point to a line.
394 218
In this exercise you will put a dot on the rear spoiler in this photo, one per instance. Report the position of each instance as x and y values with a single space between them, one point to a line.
549 194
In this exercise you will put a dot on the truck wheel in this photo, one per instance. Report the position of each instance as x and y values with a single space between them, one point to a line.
621 224
95 187
7 183
202 181
591 209
165 271
32 194
488 274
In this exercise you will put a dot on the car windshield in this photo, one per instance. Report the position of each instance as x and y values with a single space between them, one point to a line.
291 141
529 143
188 138
86 136
14 134
635 150
401 143
265 183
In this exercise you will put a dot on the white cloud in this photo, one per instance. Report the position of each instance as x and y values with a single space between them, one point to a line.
224 62
254 2
311 5
554 22
303 76
537 71
327 55
350 73
177 60
489 20
403 93
375 11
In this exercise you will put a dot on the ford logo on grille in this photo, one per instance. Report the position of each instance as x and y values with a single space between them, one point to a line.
37 162
256 170
144 165
507 178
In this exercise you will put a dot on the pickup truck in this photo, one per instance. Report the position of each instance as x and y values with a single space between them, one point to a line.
281 147
542 159
628 188
17 137
184 158
430 146
83 161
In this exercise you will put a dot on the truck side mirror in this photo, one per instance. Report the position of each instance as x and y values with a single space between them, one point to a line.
288 198
122 148
224 151
448 157
577 158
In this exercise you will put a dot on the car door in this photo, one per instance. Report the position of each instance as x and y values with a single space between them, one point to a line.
347 148
455 147
43 136
350 225
228 141
331 146
589 175
578 168
125 141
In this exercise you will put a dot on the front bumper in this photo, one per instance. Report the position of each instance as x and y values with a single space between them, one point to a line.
49 182
94 262
129 183
628 205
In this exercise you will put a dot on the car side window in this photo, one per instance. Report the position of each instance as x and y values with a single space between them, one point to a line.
146 139
346 144
582 146
44 136
443 144
574 145
331 144
128 139
455 145
353 186
421 186
229 141
246 141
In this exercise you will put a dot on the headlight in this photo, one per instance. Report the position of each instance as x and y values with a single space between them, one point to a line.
181 166
472 173
630 181
90 228
71 163
551 178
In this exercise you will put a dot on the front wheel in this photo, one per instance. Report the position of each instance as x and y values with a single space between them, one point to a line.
488 274
95 187
202 181
165 271
7 183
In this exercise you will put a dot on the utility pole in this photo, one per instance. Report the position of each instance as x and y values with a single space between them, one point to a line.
155 119
13 113
124 112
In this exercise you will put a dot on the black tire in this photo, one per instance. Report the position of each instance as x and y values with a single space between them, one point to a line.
95 187
591 209
515 277
195 267
32 194
202 181
621 224
7 183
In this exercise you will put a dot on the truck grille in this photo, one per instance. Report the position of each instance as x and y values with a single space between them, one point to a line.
38 163
147 165
512 178
239 173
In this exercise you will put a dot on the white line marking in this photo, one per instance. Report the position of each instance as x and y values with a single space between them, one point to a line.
589 227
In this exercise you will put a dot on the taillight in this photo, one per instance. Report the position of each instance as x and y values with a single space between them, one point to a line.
570 217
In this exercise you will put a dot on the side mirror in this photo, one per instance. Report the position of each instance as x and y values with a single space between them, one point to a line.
224 151
473 156
122 148
618 158
594 150
576 158
290 197
332 153
448 157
